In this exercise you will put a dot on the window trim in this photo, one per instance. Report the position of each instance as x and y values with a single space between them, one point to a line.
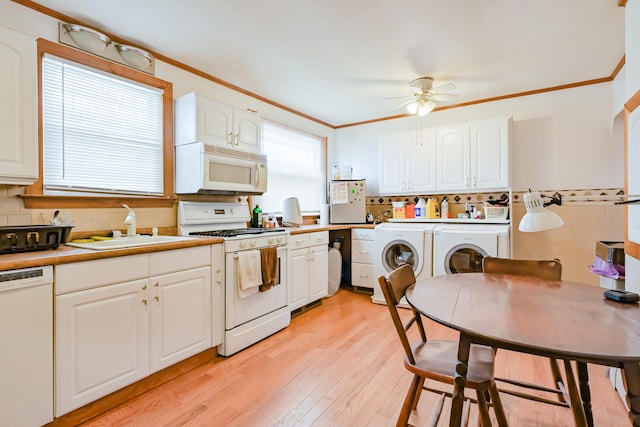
35 197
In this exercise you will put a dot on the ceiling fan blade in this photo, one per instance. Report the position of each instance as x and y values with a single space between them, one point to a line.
404 104
398 97
443 96
447 87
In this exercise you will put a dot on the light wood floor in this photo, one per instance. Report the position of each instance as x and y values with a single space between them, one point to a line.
338 364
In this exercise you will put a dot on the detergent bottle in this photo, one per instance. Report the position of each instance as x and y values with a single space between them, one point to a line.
420 210
431 209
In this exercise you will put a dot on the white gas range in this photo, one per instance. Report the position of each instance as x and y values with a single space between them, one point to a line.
248 319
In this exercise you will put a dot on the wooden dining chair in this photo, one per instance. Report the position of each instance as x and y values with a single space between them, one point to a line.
436 359
544 269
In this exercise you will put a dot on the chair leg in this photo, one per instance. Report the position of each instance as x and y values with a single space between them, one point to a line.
416 398
497 405
405 412
557 377
483 407
574 396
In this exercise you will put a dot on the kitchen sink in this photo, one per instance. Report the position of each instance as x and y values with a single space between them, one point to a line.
129 242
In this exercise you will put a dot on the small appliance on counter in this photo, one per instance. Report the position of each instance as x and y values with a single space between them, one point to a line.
291 213
348 201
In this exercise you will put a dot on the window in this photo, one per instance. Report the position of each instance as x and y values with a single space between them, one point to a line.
296 168
100 133
106 133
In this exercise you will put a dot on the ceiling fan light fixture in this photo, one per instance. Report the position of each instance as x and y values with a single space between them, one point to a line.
426 107
413 107
421 107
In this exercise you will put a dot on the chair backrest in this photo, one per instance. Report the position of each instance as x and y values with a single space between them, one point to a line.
394 289
544 269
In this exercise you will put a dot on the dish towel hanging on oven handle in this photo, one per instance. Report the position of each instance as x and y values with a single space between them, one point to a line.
269 267
249 273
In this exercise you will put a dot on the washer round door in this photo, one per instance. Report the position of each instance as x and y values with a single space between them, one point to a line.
464 258
399 252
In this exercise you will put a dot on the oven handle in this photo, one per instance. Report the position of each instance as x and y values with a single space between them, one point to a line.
235 254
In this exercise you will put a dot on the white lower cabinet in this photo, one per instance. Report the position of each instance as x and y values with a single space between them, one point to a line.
308 268
110 334
362 257
180 316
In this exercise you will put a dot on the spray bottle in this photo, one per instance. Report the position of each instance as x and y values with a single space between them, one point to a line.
444 208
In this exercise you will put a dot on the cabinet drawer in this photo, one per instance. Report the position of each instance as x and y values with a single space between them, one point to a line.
362 275
299 241
362 234
92 274
319 238
179 260
362 251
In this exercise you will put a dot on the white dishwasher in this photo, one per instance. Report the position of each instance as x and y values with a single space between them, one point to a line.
26 346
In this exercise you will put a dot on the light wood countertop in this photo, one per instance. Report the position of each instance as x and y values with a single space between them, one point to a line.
310 228
67 254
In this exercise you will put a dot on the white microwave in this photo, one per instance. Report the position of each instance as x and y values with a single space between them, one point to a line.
208 169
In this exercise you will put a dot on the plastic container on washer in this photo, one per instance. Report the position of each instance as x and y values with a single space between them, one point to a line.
421 208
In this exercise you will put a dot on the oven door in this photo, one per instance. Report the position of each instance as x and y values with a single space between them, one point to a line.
242 310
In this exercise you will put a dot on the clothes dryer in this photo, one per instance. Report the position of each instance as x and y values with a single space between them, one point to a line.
459 248
402 243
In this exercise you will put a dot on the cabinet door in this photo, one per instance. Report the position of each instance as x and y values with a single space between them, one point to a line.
392 163
318 272
217 295
102 342
18 109
247 131
214 122
298 278
180 316
453 158
421 161
490 154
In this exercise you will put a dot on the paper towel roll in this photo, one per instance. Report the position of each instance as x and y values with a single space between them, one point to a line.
324 214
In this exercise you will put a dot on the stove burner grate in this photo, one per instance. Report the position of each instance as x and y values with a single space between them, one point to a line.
234 232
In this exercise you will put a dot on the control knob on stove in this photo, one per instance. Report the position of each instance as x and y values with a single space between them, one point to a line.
243 244
271 240
253 243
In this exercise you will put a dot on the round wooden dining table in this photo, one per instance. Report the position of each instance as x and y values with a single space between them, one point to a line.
561 319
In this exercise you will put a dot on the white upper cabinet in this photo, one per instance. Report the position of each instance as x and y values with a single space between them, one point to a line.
18 108
474 156
200 119
407 162
453 158
490 154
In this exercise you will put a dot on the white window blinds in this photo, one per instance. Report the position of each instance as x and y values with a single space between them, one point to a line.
100 133
296 168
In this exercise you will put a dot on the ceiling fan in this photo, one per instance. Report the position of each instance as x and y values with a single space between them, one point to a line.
424 95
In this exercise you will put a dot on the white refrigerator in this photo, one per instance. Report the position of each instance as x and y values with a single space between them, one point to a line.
347 201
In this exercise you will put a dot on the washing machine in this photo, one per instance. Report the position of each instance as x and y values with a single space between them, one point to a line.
402 243
459 248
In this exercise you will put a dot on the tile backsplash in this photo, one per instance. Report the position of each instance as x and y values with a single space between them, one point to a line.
589 216
13 212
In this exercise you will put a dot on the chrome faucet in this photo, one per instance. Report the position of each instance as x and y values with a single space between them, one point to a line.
130 222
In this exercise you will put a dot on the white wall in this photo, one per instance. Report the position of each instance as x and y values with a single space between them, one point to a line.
40 25
632 65
632 46
560 140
